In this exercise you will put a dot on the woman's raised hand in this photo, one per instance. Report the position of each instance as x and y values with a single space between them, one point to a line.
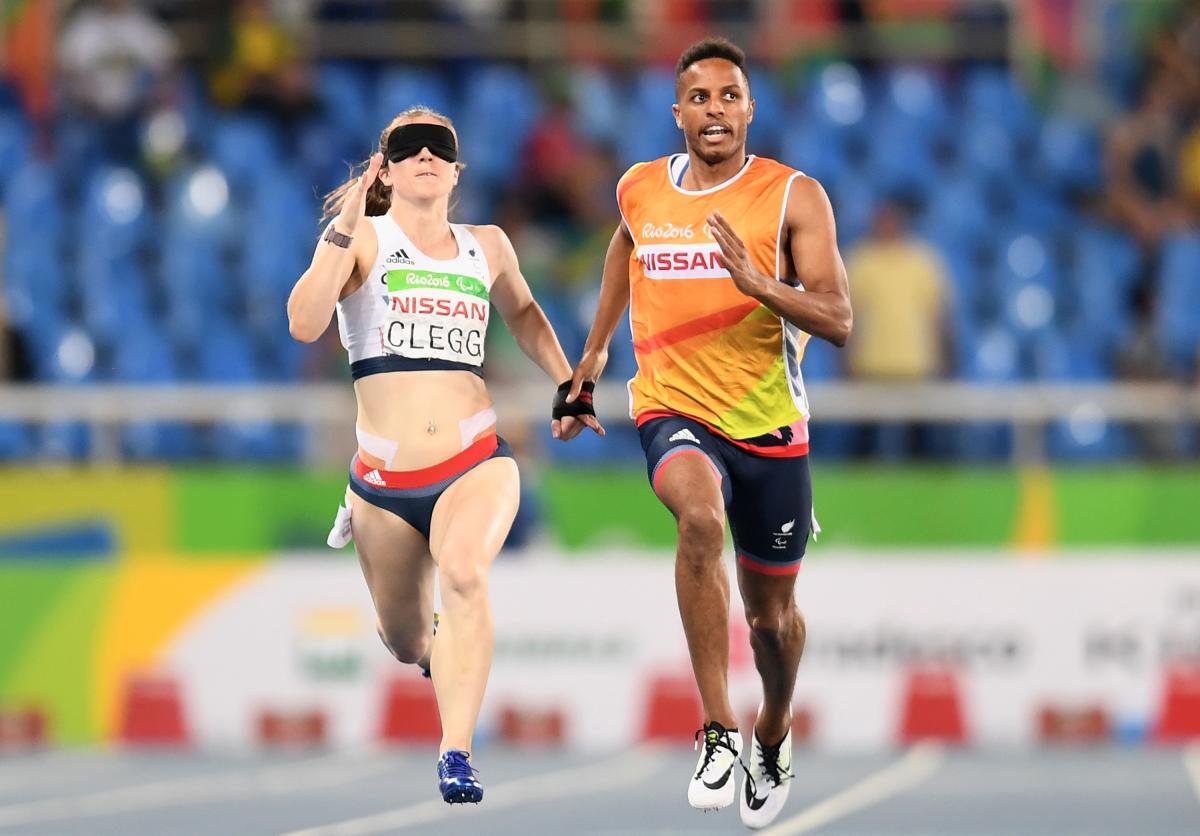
355 203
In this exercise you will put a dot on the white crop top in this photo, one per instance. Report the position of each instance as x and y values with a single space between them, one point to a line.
414 312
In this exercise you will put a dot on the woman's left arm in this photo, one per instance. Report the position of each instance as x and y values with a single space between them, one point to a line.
526 320
521 313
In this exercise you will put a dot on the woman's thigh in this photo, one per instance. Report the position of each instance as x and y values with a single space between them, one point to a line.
472 518
396 563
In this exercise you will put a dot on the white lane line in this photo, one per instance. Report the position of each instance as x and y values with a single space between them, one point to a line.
1191 762
917 766
286 779
611 773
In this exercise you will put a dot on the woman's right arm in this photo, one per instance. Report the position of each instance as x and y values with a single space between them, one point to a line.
315 295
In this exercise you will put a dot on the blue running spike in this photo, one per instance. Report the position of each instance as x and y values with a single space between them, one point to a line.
456 779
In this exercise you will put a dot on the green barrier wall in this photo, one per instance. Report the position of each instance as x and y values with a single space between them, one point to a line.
99 568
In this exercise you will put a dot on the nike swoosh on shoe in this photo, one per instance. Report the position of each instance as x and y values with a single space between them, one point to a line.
724 780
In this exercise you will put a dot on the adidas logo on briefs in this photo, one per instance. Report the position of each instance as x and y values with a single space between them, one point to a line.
684 435
372 477
398 257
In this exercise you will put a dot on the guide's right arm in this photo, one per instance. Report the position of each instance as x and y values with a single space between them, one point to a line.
614 299
315 295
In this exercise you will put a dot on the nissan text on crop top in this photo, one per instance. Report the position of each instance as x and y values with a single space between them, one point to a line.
416 313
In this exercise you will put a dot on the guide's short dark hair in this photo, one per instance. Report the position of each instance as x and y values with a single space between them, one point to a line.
711 48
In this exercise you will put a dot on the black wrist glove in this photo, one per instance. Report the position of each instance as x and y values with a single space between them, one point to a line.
582 405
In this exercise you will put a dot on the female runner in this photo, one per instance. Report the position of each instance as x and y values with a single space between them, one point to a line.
432 483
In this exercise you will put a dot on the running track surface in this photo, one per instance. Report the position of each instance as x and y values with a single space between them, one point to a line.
924 790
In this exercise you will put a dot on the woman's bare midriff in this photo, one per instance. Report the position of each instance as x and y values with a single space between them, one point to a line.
401 407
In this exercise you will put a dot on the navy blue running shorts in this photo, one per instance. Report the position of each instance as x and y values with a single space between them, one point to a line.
412 494
768 499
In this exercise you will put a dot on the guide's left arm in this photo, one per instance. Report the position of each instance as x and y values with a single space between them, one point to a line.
820 305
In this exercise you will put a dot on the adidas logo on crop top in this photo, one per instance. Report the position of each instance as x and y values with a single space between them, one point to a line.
430 315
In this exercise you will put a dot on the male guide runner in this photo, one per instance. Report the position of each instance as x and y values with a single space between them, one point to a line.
728 263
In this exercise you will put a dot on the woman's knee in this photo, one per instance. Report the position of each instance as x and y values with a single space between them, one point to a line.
403 642
463 577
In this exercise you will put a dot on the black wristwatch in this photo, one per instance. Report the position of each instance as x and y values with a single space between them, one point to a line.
336 238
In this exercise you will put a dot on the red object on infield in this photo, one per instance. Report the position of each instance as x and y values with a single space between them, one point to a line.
23 728
1179 714
673 710
152 712
932 707
1058 723
279 729
532 726
410 713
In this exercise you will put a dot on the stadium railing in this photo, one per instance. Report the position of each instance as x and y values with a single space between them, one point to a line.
327 410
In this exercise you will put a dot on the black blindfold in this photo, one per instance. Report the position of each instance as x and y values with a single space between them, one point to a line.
408 140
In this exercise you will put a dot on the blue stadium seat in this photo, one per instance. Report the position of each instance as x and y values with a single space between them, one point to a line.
499 109
1105 264
346 96
63 352
963 274
649 108
957 211
159 441
257 441
917 96
622 362
195 278
14 146
1087 435
1178 311
901 157
987 147
65 441
818 153
993 95
993 357
837 100
854 202
770 111
17 441
115 301
821 362
596 98
1069 156
247 149
1023 288
115 221
226 355
404 86
287 213
144 355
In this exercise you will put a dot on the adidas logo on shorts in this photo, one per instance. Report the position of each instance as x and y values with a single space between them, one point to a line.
684 435
373 478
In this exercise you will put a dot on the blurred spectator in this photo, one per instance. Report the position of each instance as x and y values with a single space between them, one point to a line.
27 53
1143 359
14 362
260 65
116 62
552 155
899 290
1144 176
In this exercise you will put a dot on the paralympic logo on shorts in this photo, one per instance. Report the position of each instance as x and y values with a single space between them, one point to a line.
783 534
